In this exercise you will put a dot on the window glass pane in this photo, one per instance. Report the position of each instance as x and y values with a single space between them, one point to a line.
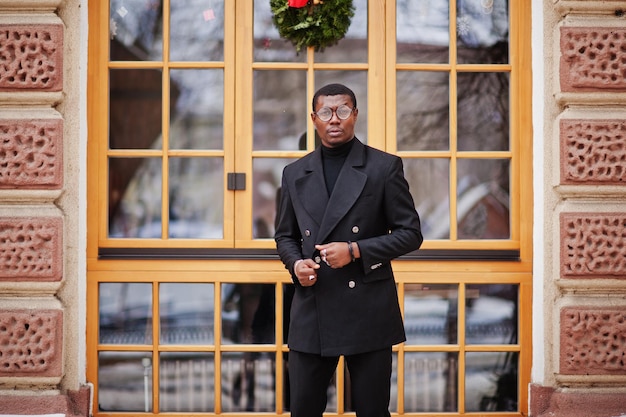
423 115
483 201
429 181
393 402
196 200
197 30
136 30
422 31
135 109
431 313
353 47
357 82
125 381
135 197
186 314
491 381
483 31
248 313
268 45
483 111
280 109
491 314
186 382
196 109
125 313
267 176
248 381
430 382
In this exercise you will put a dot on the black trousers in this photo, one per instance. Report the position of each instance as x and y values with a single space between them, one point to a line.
370 377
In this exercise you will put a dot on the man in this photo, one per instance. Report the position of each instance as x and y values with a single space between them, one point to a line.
344 213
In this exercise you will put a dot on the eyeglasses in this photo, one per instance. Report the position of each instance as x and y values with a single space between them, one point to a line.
326 113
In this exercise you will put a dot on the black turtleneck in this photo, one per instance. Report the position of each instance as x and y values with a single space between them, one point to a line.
332 160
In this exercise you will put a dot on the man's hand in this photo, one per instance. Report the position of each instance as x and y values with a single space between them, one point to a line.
337 254
305 271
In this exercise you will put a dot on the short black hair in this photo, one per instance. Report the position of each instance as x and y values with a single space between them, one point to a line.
334 90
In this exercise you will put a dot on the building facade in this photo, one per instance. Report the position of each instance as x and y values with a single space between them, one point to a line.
62 251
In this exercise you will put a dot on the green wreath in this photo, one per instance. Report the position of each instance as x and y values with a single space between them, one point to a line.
318 24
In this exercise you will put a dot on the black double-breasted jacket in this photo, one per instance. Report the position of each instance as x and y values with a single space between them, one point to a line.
353 309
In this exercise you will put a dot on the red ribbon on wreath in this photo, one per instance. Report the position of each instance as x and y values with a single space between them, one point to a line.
297 3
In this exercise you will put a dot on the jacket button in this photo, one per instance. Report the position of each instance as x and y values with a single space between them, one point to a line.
307 233
351 284
355 229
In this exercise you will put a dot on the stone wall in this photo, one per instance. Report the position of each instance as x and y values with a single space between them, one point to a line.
585 204
39 211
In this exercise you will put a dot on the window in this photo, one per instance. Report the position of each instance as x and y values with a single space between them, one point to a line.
194 109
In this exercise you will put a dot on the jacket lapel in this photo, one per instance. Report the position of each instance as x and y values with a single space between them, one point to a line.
347 190
311 187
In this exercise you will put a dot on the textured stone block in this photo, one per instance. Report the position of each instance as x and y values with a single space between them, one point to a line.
592 341
585 403
593 151
593 59
31 343
31 153
31 249
593 245
31 57
71 403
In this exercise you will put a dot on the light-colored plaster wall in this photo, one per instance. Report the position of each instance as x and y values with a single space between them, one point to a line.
73 294
539 335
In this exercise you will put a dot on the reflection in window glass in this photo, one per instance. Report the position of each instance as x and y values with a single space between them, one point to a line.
186 314
196 198
125 313
429 181
483 199
135 197
136 30
266 180
357 82
135 108
186 382
248 313
422 31
491 314
483 111
197 30
482 31
268 45
125 381
431 314
430 382
423 114
248 381
196 109
280 109
353 47
491 381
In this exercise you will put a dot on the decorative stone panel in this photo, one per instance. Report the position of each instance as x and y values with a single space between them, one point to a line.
579 403
30 249
31 153
592 341
31 343
593 59
593 245
593 151
31 57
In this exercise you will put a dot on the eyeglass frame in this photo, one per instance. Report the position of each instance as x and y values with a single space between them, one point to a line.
352 109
